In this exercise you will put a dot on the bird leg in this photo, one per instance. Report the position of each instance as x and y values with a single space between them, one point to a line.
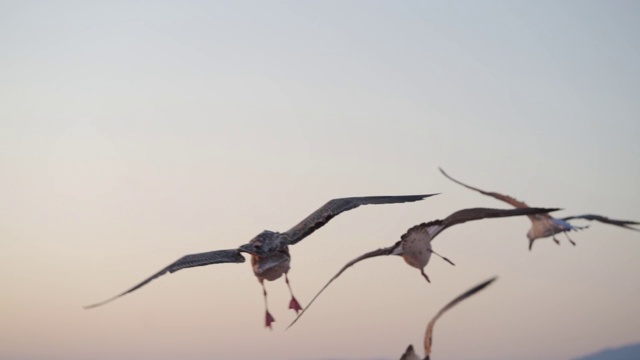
442 257
425 275
268 317
568 238
293 304
555 240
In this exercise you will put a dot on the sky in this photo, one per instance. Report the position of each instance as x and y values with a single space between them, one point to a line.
133 133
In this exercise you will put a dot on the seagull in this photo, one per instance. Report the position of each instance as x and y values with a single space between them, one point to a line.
544 225
415 245
269 250
410 354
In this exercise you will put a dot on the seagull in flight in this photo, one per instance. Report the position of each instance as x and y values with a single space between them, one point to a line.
544 225
410 354
269 250
415 245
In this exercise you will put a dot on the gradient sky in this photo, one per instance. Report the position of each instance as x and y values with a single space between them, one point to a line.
132 133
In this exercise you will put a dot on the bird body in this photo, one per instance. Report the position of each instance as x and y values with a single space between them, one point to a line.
545 226
416 246
271 267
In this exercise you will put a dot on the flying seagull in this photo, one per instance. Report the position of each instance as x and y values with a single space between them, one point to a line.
269 250
415 245
410 354
544 225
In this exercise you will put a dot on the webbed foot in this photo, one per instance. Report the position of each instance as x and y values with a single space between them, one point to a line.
295 305
269 320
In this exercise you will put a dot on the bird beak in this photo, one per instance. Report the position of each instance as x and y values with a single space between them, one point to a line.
251 249
530 244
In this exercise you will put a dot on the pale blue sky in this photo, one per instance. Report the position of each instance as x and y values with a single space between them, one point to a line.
132 133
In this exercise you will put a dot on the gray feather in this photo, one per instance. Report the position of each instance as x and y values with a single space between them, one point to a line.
603 219
187 261
336 206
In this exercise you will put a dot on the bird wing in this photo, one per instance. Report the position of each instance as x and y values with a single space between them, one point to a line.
429 333
472 214
591 217
187 261
336 206
506 198
374 253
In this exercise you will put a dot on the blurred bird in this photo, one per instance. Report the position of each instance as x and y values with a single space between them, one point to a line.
269 250
544 225
410 354
415 245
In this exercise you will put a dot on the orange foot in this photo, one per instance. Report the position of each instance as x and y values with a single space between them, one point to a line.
295 305
268 320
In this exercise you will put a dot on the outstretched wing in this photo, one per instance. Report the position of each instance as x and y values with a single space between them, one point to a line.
591 217
429 333
508 199
187 261
374 253
334 207
465 215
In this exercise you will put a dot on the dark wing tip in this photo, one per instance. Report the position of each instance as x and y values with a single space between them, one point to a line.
471 292
396 199
548 210
443 172
87 307
412 198
606 220
482 285
479 287
489 281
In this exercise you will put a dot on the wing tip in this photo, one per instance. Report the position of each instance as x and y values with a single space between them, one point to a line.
486 283
290 325
443 172
92 306
98 304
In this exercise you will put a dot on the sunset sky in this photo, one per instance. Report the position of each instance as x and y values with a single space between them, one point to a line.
135 132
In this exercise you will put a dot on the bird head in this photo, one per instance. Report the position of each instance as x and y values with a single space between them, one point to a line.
409 354
263 244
